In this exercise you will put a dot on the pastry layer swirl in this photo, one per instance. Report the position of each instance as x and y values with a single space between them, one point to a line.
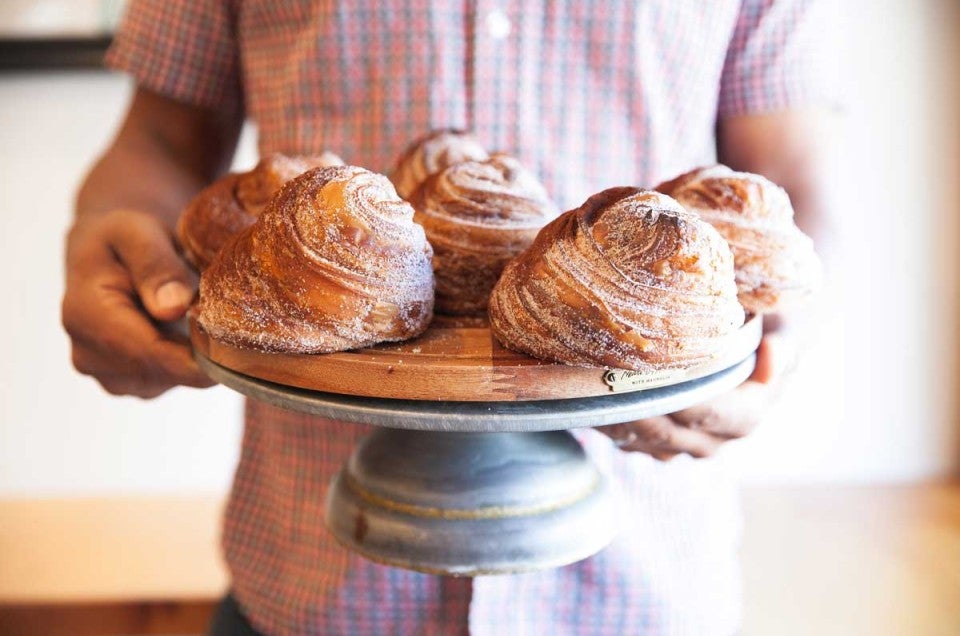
334 262
776 266
628 280
431 154
478 215
233 203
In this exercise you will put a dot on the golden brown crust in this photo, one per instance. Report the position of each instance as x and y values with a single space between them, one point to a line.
233 202
335 262
775 262
627 280
432 153
212 217
478 215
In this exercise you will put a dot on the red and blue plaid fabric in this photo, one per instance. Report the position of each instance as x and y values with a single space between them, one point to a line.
589 94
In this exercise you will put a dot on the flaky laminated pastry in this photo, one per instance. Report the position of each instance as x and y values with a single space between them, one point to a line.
775 263
334 262
628 280
478 215
233 202
431 154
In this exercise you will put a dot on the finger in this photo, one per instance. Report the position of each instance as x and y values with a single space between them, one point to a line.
662 456
709 446
178 365
777 358
144 378
118 383
117 377
664 436
162 358
128 377
764 370
161 363
621 434
164 282
729 416
125 344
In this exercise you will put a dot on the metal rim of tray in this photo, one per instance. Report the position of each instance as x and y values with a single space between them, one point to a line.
481 417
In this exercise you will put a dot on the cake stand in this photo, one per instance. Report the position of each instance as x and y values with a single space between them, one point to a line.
472 469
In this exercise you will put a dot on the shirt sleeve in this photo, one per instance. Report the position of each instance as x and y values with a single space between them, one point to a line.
777 58
183 49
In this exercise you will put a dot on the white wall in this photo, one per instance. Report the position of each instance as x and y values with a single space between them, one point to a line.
59 433
872 403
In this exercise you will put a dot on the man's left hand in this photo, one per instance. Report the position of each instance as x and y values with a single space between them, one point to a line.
700 430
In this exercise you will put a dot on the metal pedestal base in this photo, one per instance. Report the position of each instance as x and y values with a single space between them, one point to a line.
472 488
471 503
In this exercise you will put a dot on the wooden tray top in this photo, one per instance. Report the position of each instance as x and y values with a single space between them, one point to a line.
456 360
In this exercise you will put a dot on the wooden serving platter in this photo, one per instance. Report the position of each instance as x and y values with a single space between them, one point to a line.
455 360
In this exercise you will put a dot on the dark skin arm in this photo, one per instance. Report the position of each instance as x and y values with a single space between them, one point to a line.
124 277
793 150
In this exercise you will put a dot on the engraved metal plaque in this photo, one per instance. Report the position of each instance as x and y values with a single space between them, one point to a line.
622 380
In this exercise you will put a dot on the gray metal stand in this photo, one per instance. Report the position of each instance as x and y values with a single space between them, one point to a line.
468 488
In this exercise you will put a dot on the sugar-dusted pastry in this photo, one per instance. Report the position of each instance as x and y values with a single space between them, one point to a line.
478 215
628 280
775 262
334 262
431 154
233 202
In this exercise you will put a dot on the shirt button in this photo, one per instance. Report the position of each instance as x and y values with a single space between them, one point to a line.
498 24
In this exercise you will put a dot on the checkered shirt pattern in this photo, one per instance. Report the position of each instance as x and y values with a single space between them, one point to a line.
589 94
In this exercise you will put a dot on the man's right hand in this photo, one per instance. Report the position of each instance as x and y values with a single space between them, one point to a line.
124 281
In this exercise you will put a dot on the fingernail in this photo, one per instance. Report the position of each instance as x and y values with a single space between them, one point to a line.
173 295
630 439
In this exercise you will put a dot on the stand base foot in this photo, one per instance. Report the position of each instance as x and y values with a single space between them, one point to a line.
468 504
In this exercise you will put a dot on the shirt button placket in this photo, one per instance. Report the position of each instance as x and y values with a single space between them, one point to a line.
491 77
492 86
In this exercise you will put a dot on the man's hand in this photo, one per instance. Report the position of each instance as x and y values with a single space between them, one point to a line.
700 430
126 284
124 281
792 148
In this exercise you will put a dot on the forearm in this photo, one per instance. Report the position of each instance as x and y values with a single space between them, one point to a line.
793 150
796 151
117 181
162 155
124 277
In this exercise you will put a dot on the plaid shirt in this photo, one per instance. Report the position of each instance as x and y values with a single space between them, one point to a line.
589 94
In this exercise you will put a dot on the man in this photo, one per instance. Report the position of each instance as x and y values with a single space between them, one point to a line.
587 94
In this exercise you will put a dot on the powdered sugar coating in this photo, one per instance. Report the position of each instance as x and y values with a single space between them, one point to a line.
431 154
628 280
257 187
335 262
233 202
776 265
478 215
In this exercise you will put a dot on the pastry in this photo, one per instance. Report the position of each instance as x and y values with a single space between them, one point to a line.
478 215
628 280
432 153
334 262
233 203
775 263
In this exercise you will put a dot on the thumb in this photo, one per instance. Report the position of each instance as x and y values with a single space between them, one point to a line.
777 356
164 282
766 366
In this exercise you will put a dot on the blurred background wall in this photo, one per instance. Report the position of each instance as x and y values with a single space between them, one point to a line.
873 401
